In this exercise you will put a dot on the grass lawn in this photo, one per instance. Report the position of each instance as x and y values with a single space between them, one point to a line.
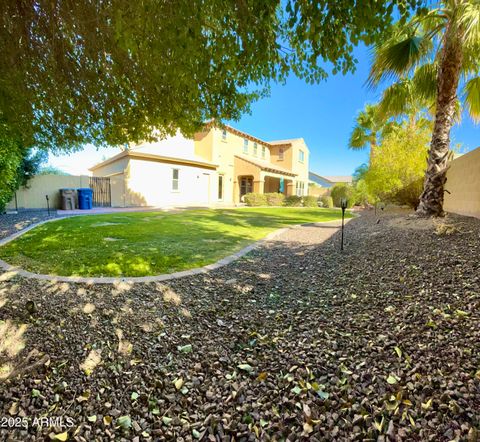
148 243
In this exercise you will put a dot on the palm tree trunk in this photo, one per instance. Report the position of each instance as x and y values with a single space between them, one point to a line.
431 200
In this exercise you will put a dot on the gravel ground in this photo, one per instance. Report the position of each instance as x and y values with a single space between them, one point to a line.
297 341
12 223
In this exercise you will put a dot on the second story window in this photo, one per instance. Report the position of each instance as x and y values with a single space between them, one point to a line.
255 149
263 151
245 145
280 153
301 156
224 134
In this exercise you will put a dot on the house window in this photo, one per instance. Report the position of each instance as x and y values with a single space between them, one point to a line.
246 185
263 151
245 145
300 188
224 134
301 156
220 187
175 174
255 149
280 153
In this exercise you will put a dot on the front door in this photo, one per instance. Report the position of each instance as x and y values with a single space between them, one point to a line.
246 186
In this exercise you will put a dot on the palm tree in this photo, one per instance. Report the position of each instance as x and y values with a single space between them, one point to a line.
433 54
366 130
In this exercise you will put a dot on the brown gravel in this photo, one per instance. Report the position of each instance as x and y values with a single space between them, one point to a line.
297 341
14 222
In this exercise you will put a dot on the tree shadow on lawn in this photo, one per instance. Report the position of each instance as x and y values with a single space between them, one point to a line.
210 236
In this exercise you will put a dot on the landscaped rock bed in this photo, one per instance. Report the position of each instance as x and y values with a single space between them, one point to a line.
11 223
298 341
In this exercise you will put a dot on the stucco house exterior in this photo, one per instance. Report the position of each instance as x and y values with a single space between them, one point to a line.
217 166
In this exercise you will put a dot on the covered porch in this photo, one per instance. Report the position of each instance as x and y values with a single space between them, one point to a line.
261 177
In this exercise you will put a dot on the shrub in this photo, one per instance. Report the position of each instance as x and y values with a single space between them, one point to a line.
293 201
327 201
255 199
275 199
340 191
310 201
408 195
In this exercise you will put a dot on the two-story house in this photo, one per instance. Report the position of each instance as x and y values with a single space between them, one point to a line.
217 166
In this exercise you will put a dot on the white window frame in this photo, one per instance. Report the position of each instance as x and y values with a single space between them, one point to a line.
224 135
255 149
301 156
299 188
245 146
175 181
281 154
264 152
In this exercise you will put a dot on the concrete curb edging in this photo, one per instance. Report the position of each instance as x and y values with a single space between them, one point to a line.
17 271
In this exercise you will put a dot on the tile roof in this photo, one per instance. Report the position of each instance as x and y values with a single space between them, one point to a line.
265 165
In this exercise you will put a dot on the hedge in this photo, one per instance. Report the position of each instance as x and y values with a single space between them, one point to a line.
293 201
326 201
279 199
310 201
275 199
255 199
340 191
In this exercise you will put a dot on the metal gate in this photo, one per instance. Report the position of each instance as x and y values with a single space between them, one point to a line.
102 192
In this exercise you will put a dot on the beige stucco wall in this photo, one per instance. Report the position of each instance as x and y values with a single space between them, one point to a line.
463 183
213 147
298 167
33 196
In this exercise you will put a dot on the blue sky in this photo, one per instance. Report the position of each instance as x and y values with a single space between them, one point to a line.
322 114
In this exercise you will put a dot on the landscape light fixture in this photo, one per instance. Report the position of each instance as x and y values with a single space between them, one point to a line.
343 205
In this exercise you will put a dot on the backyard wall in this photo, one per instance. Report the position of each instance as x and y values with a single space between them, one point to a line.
33 195
463 183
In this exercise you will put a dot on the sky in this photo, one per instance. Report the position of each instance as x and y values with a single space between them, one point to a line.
322 114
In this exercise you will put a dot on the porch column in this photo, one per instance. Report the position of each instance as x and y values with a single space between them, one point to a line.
259 186
290 187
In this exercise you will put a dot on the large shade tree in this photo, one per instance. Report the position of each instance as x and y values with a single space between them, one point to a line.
108 72
431 57
112 72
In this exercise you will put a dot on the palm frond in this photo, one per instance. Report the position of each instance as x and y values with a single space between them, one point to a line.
367 118
396 99
359 139
431 22
470 62
469 21
425 83
472 98
397 57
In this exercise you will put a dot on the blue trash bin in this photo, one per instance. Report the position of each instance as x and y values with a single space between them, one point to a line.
85 197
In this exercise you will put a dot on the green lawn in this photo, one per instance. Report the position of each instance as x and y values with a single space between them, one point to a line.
148 243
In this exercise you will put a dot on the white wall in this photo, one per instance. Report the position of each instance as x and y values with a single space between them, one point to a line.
149 183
